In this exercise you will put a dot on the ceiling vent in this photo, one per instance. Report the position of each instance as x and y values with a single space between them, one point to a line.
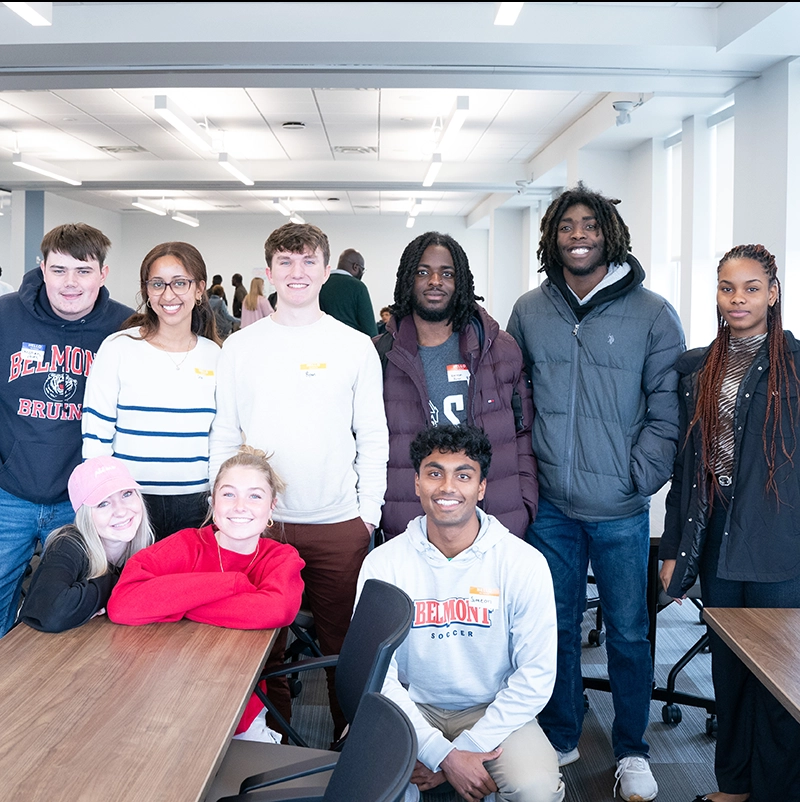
357 149
121 149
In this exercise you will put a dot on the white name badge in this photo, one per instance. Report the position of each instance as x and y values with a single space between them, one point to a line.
457 373
32 352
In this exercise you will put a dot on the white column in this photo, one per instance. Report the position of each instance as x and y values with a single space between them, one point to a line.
511 243
767 173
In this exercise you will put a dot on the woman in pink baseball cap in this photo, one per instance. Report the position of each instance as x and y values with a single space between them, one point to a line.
81 562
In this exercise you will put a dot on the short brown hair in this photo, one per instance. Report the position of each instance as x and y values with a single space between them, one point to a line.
78 240
297 238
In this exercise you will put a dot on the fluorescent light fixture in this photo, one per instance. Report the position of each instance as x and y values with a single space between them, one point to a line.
150 206
416 207
507 13
295 218
433 170
410 221
44 168
234 168
454 122
182 122
34 13
281 207
186 219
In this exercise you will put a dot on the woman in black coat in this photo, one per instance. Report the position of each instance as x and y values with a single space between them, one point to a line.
733 510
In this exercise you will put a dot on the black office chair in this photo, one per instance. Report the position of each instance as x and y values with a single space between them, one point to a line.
380 623
362 773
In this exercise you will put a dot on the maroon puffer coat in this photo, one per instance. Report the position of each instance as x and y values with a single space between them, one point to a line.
495 364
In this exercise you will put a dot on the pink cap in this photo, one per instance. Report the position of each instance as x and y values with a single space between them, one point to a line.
96 479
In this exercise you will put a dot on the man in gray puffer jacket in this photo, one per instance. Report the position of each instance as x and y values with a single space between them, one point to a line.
600 350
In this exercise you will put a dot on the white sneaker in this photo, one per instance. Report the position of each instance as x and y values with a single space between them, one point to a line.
565 758
635 780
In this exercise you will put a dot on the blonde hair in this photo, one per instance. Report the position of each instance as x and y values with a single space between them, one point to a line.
248 457
84 533
256 291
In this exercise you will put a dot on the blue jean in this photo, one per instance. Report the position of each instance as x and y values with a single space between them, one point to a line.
23 523
618 551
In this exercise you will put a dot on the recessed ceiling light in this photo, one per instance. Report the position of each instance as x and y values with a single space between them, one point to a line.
333 200
293 126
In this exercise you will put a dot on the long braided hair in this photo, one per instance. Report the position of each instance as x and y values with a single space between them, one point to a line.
615 232
781 372
464 297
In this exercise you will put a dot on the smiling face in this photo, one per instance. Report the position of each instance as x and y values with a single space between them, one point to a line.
172 308
72 285
434 285
744 296
118 516
581 243
243 503
298 277
449 487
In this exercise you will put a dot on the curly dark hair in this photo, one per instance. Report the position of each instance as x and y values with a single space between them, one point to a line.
464 298
615 232
452 440
782 373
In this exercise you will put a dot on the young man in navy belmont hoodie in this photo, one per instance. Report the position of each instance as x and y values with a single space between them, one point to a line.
49 333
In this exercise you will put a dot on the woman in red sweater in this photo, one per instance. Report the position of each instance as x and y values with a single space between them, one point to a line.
228 573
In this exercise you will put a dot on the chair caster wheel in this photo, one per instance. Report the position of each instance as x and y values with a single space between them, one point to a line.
711 726
585 702
671 714
597 637
295 686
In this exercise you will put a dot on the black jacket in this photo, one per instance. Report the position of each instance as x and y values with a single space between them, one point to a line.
762 537
41 398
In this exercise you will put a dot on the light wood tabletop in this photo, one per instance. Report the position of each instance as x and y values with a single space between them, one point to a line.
768 642
108 712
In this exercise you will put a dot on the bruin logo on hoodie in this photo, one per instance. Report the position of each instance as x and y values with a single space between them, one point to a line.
60 387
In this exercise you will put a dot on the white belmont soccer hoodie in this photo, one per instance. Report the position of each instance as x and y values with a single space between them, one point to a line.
484 632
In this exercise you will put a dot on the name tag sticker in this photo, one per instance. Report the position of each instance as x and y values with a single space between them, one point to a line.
312 368
457 373
204 373
485 597
33 352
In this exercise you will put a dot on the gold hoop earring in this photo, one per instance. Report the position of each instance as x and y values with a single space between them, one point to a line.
198 302
270 523
147 303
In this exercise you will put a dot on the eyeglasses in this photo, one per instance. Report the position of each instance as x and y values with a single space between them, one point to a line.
180 286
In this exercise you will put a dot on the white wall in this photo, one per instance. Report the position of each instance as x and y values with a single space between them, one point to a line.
234 243
10 274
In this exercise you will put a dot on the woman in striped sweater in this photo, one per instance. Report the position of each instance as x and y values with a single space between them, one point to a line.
150 395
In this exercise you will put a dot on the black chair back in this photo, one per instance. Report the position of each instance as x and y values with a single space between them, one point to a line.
378 755
380 623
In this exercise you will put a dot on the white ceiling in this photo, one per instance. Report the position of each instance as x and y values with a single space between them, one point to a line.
368 80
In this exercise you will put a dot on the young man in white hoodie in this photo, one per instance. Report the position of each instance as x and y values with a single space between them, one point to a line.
479 662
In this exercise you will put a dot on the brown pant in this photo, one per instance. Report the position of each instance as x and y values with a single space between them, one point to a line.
333 554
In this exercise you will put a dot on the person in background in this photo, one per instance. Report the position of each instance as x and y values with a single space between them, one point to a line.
229 573
81 562
239 293
150 395
315 400
224 319
732 511
5 287
255 305
386 314
217 282
600 350
49 333
447 361
345 297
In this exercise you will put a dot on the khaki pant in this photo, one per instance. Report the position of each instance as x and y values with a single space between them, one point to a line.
526 771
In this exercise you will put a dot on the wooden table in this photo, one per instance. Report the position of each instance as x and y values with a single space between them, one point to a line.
107 712
767 643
